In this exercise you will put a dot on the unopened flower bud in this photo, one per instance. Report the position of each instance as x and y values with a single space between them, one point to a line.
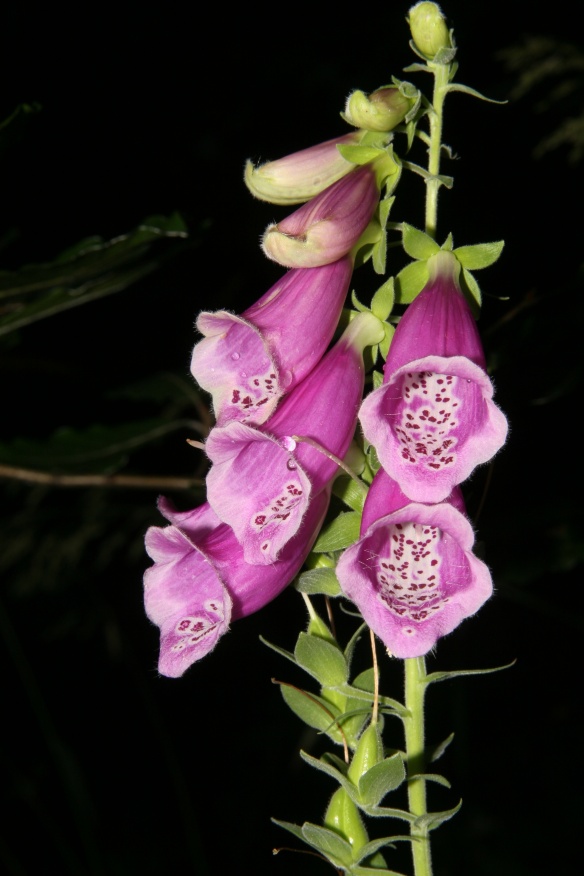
383 110
429 30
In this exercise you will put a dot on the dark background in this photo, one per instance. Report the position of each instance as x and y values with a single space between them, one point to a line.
110 768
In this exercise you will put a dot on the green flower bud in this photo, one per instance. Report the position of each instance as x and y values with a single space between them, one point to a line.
343 816
383 110
429 30
369 752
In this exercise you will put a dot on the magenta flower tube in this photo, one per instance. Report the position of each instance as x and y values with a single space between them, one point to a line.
200 581
327 227
261 480
433 419
412 574
248 362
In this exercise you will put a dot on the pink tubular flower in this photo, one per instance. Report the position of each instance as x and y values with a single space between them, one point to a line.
261 482
248 362
412 574
327 227
433 419
302 175
200 581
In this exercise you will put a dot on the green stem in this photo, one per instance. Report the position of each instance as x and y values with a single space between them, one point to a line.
441 77
415 688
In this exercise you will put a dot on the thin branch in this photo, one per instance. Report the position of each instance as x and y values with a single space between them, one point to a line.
139 482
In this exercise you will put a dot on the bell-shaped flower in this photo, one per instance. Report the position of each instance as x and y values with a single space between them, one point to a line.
262 480
248 362
200 581
302 175
432 421
328 226
412 574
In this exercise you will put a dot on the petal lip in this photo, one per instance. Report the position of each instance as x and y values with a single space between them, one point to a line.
476 430
302 175
327 227
466 585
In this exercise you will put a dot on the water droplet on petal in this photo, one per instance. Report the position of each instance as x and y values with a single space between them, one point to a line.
288 443
291 464
235 356
243 374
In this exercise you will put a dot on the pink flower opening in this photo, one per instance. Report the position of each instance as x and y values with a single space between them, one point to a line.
248 362
412 574
433 419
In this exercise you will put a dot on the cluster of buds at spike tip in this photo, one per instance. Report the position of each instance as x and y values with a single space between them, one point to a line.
383 110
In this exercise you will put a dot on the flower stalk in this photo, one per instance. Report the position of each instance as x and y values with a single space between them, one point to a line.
415 689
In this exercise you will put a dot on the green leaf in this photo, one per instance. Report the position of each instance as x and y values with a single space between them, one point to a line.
457 673
418 244
337 774
98 448
294 829
338 851
281 651
479 255
432 820
323 660
383 300
374 845
85 272
379 254
339 534
465 89
318 581
356 693
313 710
410 281
438 750
431 777
389 812
380 779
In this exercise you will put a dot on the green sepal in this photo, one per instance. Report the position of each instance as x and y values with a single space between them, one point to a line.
379 253
314 711
436 753
410 281
385 344
448 243
465 89
385 206
383 300
361 154
321 659
380 779
365 678
432 820
418 244
377 379
350 492
479 255
472 288
456 673
361 308
431 777
333 772
339 534
317 582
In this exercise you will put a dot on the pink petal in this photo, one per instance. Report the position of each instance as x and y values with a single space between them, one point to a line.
413 576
